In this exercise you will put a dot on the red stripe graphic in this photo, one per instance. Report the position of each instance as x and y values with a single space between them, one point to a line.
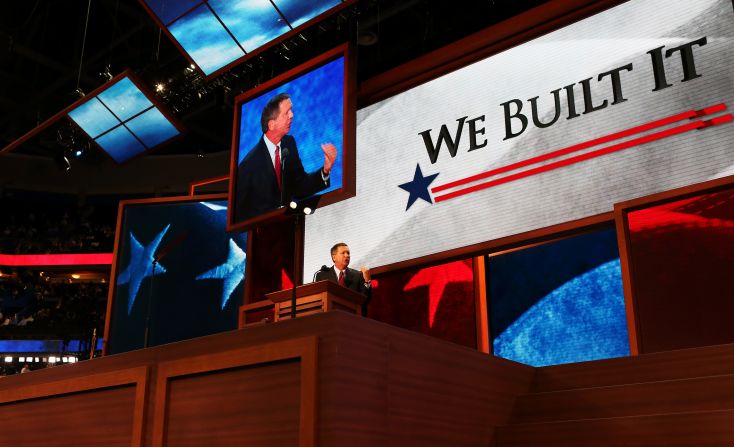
48 260
597 153
581 146
585 145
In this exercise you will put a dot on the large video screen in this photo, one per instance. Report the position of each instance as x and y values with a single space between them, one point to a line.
194 287
291 140
629 102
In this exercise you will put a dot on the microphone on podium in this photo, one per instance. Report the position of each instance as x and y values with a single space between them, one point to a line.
321 270
283 156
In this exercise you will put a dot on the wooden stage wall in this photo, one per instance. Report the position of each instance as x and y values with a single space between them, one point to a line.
331 379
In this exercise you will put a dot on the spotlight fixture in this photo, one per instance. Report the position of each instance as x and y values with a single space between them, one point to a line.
159 87
367 39
62 161
79 149
106 74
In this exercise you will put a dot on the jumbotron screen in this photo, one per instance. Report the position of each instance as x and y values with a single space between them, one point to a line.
194 287
629 102
297 123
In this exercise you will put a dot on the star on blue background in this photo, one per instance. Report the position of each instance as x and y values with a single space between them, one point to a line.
418 187
140 266
232 271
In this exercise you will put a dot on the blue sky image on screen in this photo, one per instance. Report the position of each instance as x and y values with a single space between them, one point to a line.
559 302
318 117
252 22
120 144
100 117
298 12
93 118
152 127
124 99
198 284
206 41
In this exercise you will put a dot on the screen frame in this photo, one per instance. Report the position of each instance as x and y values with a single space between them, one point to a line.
257 51
116 253
348 143
209 181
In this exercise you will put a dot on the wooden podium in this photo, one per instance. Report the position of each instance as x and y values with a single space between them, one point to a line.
316 297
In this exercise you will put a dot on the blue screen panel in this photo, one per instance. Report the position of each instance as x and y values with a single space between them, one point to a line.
558 302
253 23
206 41
23 346
83 346
122 102
120 144
197 286
152 127
297 12
93 117
318 117
124 99
169 10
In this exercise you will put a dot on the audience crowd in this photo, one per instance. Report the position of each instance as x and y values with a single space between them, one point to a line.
63 226
31 304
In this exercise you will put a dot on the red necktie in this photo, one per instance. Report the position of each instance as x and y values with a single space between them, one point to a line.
277 164
341 279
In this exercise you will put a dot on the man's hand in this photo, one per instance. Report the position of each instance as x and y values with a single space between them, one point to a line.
329 156
365 273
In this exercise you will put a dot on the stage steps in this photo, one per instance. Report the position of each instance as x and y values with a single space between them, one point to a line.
676 398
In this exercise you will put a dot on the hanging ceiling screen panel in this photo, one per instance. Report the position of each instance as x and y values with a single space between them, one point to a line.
215 34
123 120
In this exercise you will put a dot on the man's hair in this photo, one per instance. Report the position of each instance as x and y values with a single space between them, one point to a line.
336 247
271 109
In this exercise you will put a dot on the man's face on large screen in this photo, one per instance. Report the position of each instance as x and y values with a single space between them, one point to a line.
281 125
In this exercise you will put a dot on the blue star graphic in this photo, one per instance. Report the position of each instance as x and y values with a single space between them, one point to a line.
418 188
232 271
140 266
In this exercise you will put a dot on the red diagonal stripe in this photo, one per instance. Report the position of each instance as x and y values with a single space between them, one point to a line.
569 161
718 120
585 145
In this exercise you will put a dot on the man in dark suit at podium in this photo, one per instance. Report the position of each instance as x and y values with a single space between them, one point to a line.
340 273
272 173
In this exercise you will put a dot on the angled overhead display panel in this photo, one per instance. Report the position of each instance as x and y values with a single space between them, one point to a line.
123 119
215 34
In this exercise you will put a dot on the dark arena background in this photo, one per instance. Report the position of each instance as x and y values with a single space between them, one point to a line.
540 195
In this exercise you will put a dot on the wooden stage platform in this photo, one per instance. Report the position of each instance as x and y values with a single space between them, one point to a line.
331 379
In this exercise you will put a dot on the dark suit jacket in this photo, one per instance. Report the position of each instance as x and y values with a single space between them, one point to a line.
353 280
257 187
